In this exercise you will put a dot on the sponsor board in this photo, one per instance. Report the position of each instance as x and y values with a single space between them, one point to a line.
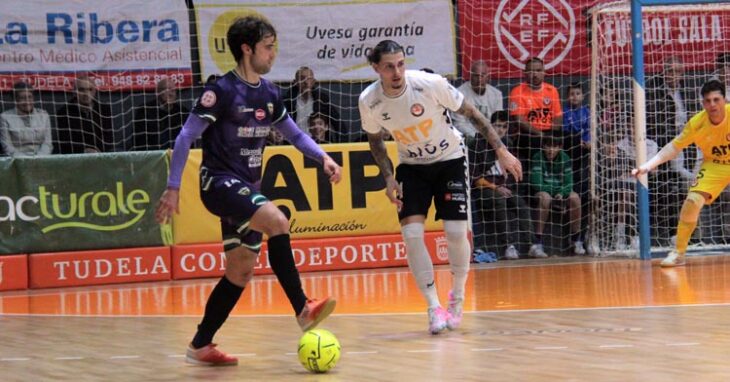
382 251
74 202
13 272
357 206
123 46
333 38
99 267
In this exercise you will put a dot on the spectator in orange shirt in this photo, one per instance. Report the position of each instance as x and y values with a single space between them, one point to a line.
535 107
534 103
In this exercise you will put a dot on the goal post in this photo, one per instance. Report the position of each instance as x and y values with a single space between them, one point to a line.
611 69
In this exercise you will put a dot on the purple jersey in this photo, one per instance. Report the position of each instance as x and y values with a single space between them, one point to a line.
241 116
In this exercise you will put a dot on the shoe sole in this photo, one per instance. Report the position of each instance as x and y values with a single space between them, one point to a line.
194 361
437 331
329 306
671 265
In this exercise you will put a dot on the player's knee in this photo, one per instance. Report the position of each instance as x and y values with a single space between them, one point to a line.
544 198
574 199
691 208
455 229
412 230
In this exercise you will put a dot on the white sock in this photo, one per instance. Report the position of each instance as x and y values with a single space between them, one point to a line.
419 261
458 246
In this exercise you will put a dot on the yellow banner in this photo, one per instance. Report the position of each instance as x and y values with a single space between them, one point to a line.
356 206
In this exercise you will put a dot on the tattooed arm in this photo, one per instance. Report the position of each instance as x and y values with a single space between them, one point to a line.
506 159
380 154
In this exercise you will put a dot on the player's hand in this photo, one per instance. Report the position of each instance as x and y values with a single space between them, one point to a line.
332 169
504 191
169 204
511 164
637 172
394 191
558 197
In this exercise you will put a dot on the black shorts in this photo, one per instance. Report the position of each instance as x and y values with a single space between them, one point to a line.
444 182
235 202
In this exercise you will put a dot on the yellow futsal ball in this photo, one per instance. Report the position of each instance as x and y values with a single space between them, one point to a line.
319 350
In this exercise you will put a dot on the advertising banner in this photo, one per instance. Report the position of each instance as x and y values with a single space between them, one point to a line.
124 44
382 251
13 272
75 202
356 206
505 33
333 37
113 266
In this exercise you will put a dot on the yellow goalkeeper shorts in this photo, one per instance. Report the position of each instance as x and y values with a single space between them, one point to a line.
711 179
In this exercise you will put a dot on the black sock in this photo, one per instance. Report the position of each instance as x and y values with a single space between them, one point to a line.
281 260
575 236
221 301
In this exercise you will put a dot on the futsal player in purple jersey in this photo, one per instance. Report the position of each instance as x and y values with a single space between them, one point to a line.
234 115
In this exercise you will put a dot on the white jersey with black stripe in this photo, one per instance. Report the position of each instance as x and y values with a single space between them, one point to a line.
416 119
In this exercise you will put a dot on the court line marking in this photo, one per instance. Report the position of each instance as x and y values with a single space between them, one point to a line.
550 347
683 344
68 358
534 310
14 359
616 346
125 357
487 349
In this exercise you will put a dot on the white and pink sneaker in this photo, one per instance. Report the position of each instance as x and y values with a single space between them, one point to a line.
437 319
455 310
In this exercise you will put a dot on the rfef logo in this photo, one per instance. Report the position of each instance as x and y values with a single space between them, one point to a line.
529 28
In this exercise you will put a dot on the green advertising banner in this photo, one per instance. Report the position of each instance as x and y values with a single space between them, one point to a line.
78 202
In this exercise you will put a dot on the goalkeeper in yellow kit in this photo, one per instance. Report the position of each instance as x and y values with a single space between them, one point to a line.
710 131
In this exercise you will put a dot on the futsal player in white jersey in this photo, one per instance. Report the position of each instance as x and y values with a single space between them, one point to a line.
412 106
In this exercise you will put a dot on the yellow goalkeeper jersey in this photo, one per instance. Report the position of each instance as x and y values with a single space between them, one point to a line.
713 140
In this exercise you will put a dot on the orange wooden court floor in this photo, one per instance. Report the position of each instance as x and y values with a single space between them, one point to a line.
591 318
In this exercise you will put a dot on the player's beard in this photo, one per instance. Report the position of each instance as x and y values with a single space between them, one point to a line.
261 67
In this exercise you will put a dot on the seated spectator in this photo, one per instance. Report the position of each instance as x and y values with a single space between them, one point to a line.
722 71
319 127
551 176
484 96
84 125
158 122
617 158
305 98
496 198
25 130
275 138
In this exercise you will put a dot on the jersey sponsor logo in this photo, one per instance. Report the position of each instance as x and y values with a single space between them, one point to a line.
414 133
462 208
260 114
254 161
451 185
262 131
375 103
720 150
417 110
385 116
208 98
455 197
251 152
245 132
243 109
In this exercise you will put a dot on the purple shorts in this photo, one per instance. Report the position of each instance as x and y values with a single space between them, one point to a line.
235 202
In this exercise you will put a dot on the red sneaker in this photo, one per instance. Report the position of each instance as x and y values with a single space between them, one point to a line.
314 312
209 356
